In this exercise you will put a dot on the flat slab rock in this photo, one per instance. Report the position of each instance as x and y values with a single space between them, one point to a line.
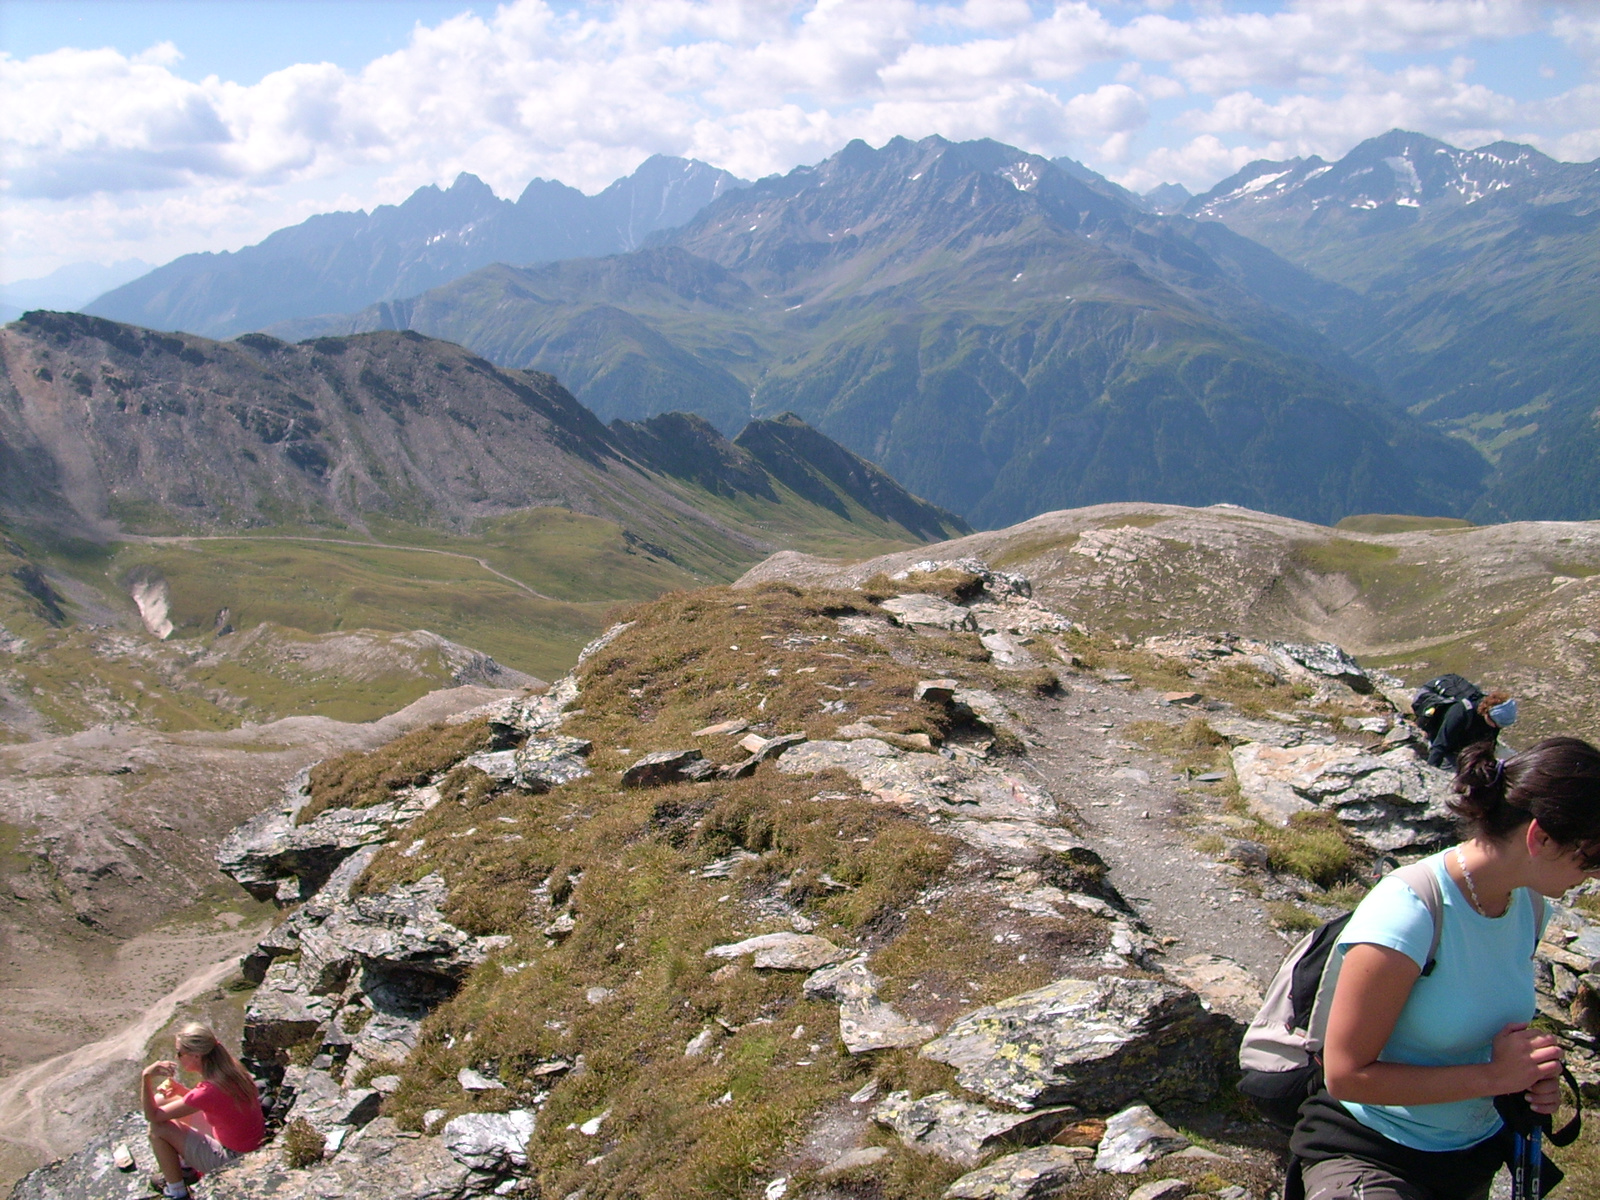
1095 1043
866 1025
1026 1175
783 951
917 608
938 1123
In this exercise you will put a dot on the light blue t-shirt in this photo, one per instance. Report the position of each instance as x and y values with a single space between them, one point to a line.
1482 981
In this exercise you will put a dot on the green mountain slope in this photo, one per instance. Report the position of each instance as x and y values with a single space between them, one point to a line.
265 526
1474 271
991 329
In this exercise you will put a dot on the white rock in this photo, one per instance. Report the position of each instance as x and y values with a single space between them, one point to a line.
490 1141
472 1081
1134 1139
783 951
591 1127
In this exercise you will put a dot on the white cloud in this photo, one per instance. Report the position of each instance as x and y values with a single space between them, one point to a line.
139 157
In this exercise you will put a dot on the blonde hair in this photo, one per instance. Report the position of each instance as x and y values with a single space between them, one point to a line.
217 1065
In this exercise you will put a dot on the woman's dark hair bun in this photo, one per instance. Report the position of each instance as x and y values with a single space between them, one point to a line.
1556 781
1480 789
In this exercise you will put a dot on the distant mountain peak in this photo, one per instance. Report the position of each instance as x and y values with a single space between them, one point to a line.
1399 169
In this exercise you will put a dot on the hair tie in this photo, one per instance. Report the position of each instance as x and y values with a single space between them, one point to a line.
1499 770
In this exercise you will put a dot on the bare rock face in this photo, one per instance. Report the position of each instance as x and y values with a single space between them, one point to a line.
1392 801
1327 659
91 1173
1025 1175
1094 1043
938 1123
378 1160
997 811
267 851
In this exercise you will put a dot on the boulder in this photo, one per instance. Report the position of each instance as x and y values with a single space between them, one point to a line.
664 767
490 1142
940 1124
917 609
1134 1139
1094 1043
937 691
1392 801
783 951
1026 1175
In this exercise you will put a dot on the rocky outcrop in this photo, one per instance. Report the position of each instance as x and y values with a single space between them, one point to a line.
992 809
379 1160
1093 1043
1392 801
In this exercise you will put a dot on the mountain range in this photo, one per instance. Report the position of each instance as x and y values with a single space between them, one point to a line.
339 261
1001 336
1007 333
1472 275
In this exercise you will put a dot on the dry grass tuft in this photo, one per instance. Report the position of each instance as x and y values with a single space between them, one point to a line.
362 778
950 583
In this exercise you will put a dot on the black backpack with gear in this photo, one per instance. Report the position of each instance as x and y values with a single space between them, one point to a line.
1436 696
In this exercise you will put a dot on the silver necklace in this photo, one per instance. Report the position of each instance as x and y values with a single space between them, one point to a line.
1472 888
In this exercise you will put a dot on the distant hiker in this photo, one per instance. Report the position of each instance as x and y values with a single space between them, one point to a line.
198 1129
1467 724
1455 713
1416 1053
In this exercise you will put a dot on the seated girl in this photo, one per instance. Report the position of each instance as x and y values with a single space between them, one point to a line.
198 1129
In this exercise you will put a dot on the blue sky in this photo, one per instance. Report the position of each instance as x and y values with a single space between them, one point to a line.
150 130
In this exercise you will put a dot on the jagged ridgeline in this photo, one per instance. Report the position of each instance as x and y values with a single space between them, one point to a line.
386 483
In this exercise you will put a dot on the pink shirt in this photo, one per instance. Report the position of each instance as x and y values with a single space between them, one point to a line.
239 1127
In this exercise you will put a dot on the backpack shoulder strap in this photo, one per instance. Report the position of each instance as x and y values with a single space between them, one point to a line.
1420 878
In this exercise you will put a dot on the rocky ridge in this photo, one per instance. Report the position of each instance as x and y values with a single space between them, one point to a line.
350 980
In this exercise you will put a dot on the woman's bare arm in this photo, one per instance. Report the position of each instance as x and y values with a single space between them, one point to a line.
1374 984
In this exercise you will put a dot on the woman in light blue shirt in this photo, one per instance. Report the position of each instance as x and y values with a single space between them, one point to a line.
1413 1060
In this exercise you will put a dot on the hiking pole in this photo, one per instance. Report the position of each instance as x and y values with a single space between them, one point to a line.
1535 1163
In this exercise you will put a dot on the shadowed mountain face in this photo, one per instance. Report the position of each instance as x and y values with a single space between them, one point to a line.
1000 333
1475 272
104 425
336 262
